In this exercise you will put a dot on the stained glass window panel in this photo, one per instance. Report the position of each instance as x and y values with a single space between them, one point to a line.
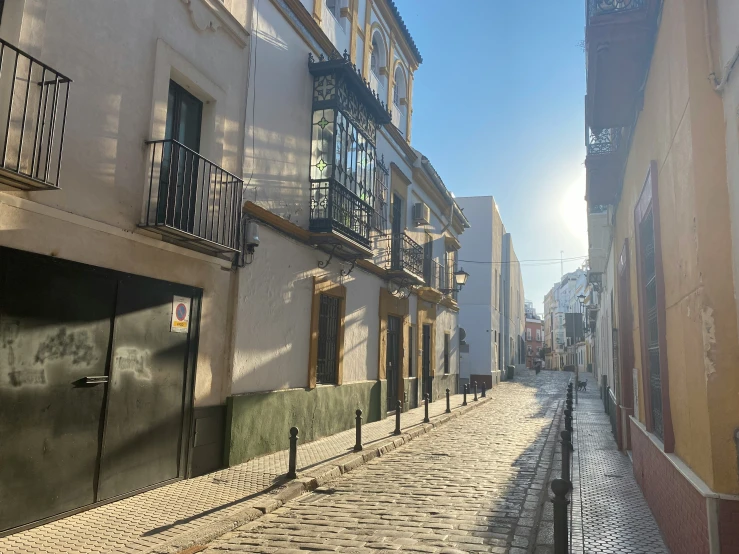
322 159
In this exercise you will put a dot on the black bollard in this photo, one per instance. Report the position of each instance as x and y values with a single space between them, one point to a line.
358 444
560 488
566 448
293 459
426 408
568 420
483 389
448 407
464 398
397 417
474 385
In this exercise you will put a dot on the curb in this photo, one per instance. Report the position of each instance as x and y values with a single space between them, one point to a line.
195 541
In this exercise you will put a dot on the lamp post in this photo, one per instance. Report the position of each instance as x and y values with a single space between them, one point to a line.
581 299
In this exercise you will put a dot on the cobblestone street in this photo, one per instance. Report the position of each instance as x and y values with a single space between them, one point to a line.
477 484
474 483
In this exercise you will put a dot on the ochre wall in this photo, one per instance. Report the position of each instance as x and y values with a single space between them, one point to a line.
680 128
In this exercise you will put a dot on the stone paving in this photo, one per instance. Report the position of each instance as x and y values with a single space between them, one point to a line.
476 484
609 513
141 522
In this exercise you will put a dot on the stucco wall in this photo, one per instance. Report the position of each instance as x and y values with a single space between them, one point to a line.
34 228
677 128
113 52
272 331
108 49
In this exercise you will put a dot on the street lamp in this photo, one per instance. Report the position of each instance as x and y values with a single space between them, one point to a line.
460 279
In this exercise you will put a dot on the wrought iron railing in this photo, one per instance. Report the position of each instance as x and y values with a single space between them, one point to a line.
33 115
606 141
379 218
597 208
192 198
336 208
439 276
406 254
602 7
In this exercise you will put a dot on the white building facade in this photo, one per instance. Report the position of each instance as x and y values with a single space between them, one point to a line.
238 238
493 307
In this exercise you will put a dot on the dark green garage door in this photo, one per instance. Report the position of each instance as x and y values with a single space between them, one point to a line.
94 385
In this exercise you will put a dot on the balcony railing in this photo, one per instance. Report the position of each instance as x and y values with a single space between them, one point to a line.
406 255
192 199
606 141
33 116
334 208
603 7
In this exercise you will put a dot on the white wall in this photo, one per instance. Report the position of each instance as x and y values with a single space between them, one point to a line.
119 54
476 298
272 332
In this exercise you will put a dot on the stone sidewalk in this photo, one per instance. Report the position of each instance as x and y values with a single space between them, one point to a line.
609 513
153 519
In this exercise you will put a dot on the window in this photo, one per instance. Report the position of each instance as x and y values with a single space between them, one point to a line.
528 334
652 311
328 339
497 301
446 353
334 7
375 56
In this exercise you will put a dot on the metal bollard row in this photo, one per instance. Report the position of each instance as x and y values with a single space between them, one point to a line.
562 487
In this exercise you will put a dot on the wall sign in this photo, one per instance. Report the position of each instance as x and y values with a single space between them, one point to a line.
180 314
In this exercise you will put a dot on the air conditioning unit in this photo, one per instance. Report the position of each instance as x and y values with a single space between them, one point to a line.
421 214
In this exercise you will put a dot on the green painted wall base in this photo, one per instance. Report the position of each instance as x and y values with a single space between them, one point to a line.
259 423
443 382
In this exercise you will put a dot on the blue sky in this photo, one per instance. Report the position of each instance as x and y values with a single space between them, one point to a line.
498 109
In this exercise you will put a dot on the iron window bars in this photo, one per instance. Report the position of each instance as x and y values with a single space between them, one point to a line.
33 115
192 199
328 340
345 189
602 7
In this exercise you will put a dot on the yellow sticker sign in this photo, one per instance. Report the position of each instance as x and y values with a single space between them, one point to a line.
180 314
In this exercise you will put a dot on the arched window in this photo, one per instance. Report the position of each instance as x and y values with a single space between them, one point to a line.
400 90
375 57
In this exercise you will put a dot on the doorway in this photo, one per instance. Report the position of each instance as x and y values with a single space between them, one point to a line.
180 160
426 361
393 361
95 387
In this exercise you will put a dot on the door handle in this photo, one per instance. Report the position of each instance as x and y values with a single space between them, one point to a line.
95 379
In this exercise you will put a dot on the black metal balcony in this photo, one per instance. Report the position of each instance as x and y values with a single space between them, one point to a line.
33 116
406 257
606 141
337 210
192 200
604 7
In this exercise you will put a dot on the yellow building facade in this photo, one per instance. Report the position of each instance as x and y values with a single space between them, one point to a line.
657 164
